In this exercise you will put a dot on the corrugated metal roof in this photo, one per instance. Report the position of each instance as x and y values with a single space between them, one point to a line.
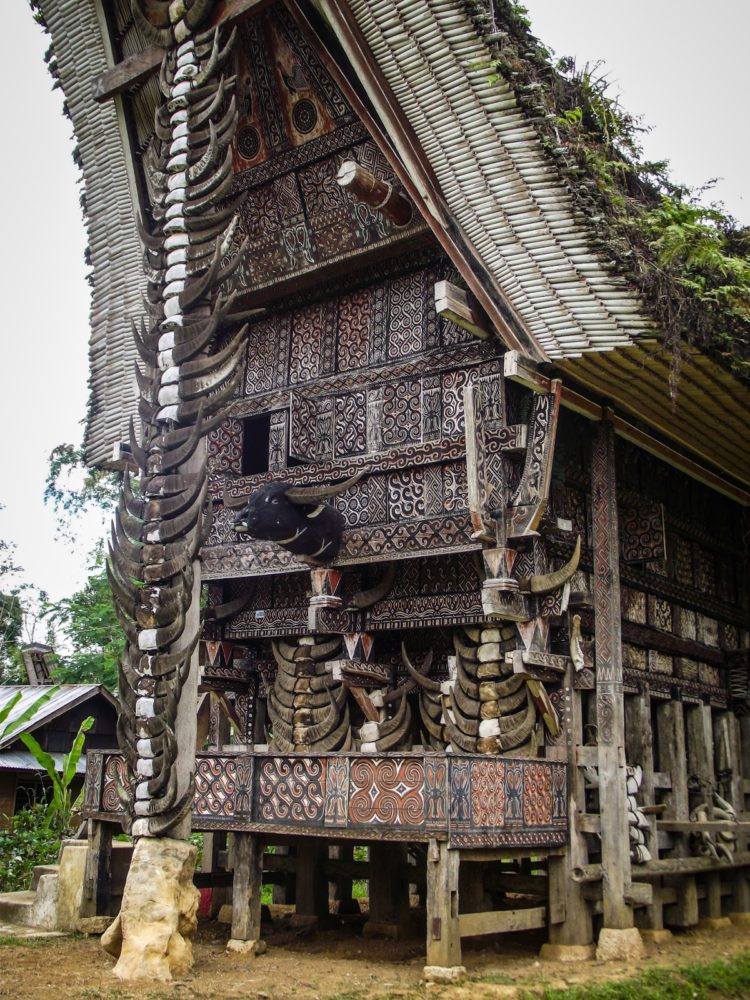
22 760
67 696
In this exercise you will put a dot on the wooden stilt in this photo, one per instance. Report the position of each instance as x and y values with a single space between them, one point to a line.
340 890
639 744
700 766
673 759
247 886
610 717
389 890
569 913
312 884
97 882
443 936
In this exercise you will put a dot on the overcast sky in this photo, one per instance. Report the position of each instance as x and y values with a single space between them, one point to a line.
682 64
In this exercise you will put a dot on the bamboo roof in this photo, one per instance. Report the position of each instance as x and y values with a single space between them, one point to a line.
466 147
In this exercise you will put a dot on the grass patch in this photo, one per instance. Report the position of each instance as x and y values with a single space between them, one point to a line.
717 980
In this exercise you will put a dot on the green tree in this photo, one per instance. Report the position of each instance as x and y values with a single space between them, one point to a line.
73 489
92 638
11 616
89 637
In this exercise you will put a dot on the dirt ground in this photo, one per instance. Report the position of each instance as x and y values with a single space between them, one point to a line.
332 964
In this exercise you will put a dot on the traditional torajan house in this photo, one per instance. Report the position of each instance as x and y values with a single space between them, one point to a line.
476 577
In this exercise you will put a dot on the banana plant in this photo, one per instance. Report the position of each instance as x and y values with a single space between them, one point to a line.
62 805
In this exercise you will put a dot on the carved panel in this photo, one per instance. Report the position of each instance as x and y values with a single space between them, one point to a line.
224 447
406 495
406 317
384 791
307 331
642 534
351 424
353 341
401 415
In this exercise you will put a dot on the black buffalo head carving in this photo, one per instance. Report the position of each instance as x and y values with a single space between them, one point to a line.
296 517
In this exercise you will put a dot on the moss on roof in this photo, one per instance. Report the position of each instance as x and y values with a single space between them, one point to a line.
689 262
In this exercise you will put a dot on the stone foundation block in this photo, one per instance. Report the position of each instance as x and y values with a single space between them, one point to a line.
714 923
620 944
444 973
151 935
567 952
249 948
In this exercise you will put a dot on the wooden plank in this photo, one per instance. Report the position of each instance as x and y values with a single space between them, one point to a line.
246 887
482 854
666 866
460 307
138 67
501 921
589 823
443 934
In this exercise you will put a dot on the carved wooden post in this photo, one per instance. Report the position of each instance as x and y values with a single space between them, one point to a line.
610 716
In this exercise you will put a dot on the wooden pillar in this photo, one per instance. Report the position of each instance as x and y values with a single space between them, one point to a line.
97 879
569 913
247 886
639 745
340 889
443 937
388 890
700 765
728 732
670 728
284 892
312 880
610 714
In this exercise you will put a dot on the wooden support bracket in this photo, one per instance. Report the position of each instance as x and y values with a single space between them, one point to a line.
461 308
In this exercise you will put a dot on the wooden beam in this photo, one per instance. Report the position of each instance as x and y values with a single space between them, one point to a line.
141 65
461 308
501 921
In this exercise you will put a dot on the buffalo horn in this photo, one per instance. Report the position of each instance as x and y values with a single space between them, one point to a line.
424 682
366 598
548 582
314 494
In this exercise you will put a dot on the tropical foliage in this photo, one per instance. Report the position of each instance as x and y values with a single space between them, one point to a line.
62 805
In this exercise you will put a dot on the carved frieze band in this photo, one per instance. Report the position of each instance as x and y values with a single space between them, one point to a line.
474 801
